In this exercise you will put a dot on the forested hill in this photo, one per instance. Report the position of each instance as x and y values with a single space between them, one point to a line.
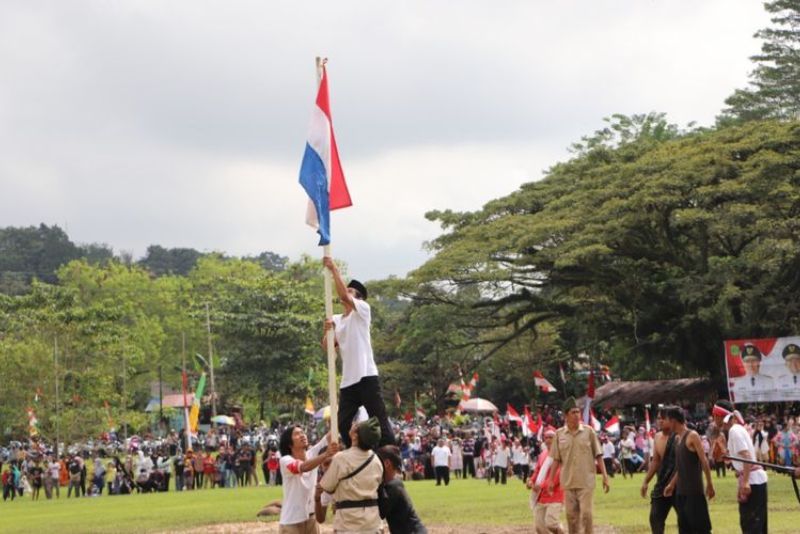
36 252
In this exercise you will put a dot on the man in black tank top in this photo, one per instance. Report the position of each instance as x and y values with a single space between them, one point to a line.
663 463
687 483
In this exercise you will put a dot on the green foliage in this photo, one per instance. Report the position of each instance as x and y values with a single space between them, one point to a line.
657 248
116 325
774 91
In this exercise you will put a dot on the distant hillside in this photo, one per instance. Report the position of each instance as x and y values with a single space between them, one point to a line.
37 252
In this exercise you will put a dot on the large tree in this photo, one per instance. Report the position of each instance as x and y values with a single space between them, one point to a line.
774 91
648 252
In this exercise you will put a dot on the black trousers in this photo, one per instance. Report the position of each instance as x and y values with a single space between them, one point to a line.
469 465
366 393
692 514
500 474
659 510
609 466
442 473
753 513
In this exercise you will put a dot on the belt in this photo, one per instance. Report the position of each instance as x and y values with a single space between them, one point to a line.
366 503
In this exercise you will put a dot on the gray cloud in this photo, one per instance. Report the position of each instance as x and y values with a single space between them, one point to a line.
183 123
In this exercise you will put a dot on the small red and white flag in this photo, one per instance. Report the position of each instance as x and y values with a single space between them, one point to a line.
542 383
561 372
612 425
647 420
595 423
527 421
512 414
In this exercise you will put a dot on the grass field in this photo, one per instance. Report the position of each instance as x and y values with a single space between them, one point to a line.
464 503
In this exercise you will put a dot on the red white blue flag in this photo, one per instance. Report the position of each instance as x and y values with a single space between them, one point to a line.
321 172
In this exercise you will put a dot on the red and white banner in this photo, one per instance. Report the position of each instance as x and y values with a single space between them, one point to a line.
542 383
763 370
612 425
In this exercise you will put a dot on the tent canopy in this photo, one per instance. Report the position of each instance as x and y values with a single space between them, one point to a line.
620 394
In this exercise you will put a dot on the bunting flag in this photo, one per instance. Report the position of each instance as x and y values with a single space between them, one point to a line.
512 414
33 423
194 414
612 425
309 406
587 408
321 172
542 383
473 382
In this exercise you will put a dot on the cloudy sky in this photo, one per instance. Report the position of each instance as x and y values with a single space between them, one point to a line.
182 123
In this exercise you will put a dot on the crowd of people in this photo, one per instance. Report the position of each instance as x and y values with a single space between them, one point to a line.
360 476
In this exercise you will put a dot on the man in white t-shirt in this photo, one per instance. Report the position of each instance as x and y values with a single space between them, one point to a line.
752 493
440 457
299 466
360 385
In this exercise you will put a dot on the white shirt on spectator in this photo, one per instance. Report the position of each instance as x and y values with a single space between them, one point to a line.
738 442
441 456
608 450
501 457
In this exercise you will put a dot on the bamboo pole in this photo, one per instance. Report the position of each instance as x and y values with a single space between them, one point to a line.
330 343
184 384
211 371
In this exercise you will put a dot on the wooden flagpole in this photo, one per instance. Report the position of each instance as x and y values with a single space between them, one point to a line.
330 343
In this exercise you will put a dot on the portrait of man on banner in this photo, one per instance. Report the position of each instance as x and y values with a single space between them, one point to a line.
748 378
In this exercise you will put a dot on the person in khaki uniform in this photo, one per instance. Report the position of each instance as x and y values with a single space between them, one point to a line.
353 479
577 452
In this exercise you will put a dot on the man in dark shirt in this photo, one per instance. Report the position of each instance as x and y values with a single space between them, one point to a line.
398 510
468 453
687 483
663 463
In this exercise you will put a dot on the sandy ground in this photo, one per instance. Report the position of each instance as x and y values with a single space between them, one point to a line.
271 527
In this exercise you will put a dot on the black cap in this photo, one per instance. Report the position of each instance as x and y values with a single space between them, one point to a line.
751 351
791 350
358 286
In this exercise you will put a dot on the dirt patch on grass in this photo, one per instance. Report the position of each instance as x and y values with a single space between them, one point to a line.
271 527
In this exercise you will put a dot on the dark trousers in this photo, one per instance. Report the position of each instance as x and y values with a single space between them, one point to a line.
366 393
442 473
692 514
500 474
609 466
469 465
659 510
753 513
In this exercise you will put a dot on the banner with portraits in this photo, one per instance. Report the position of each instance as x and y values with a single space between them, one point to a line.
763 370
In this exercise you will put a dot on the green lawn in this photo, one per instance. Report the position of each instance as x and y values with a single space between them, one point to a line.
463 502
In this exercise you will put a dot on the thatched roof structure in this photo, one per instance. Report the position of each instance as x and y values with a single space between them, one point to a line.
619 394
